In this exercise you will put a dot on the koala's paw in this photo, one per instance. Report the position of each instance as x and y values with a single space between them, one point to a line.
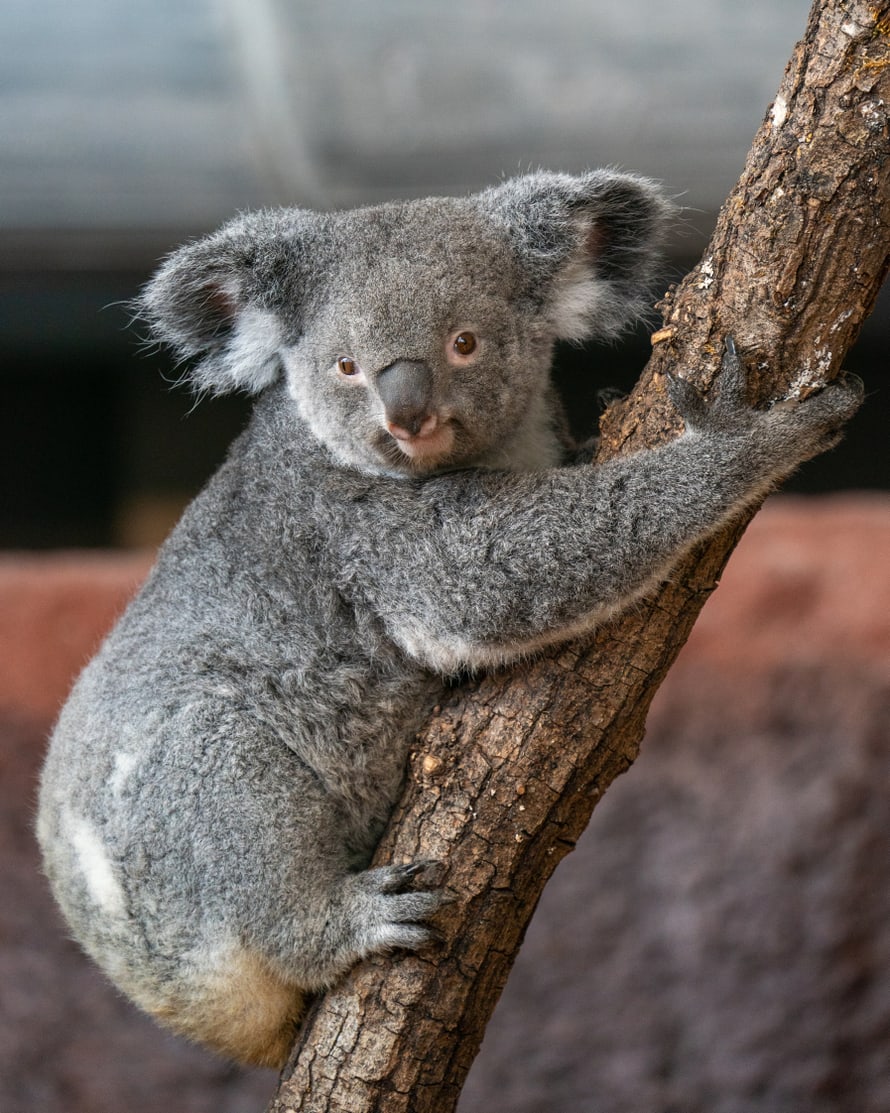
816 424
728 408
787 433
393 909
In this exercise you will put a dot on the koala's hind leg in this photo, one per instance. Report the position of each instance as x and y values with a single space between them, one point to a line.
237 1004
239 1007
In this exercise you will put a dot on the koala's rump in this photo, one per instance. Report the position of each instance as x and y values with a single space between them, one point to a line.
198 803
179 861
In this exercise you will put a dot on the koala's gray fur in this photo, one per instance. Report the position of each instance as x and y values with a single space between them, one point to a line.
223 769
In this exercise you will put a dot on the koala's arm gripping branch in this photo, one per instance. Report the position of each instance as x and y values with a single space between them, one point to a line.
504 779
621 527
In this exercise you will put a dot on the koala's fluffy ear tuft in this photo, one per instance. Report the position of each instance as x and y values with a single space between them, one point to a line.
228 298
587 243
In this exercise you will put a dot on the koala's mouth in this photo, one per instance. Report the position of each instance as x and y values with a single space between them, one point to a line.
419 446
419 451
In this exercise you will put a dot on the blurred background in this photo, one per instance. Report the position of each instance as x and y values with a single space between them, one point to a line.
720 941
126 129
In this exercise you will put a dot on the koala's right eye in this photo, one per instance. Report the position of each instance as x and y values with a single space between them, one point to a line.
347 366
464 343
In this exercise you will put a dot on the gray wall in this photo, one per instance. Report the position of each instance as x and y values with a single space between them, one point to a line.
158 115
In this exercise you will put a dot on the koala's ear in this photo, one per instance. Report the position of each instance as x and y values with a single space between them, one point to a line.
228 299
588 245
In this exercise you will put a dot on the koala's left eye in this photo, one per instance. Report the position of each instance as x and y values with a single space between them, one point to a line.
347 366
464 343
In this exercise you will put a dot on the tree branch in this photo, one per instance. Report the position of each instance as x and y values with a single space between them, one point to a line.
504 778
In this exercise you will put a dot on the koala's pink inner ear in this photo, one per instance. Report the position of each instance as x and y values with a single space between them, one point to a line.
596 240
221 302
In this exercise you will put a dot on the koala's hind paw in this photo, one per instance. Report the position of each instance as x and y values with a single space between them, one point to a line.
395 879
393 910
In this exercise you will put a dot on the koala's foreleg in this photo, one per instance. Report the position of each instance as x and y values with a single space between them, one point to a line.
501 564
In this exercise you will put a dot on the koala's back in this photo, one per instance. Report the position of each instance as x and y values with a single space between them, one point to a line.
240 699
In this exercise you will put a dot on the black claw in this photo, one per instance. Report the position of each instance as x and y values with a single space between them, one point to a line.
430 869
685 396
732 382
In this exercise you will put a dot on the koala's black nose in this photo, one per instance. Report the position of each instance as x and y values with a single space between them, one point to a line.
406 390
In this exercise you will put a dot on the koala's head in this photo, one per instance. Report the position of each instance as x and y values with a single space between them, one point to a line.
413 336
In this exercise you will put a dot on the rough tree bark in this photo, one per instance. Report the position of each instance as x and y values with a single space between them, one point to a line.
505 776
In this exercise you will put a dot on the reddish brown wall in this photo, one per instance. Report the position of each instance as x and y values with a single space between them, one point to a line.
718 941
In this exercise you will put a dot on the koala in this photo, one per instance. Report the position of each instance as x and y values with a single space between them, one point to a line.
397 511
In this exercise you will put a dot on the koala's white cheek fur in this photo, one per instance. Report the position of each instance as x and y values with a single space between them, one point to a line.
306 402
